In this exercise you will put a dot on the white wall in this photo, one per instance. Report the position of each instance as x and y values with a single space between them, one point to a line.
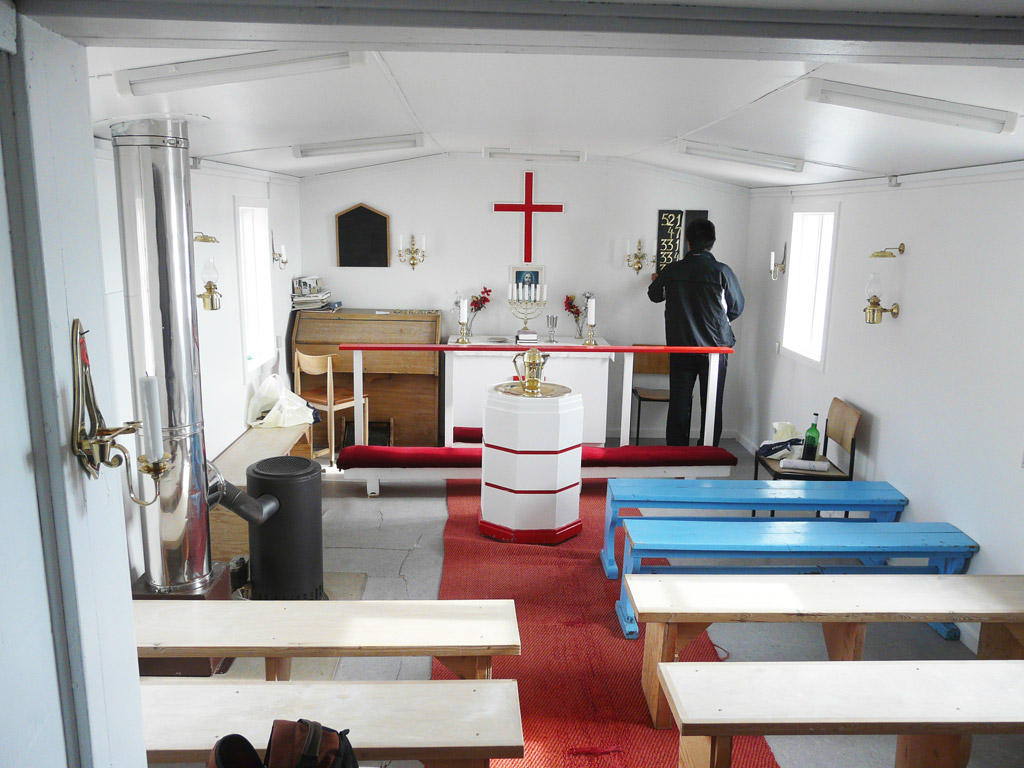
938 385
450 200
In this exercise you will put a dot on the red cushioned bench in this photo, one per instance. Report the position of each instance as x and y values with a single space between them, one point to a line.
373 463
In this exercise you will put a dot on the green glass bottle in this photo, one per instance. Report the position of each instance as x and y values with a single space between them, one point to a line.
811 439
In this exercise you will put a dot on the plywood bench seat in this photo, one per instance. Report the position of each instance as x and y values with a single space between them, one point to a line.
879 501
676 608
463 634
373 463
820 546
443 723
934 706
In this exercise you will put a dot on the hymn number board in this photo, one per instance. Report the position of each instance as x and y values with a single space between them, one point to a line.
671 226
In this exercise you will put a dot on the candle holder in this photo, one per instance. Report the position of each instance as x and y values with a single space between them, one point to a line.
526 310
590 342
638 259
463 336
412 254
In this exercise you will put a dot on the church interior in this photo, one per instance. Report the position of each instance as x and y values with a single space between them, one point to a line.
383 175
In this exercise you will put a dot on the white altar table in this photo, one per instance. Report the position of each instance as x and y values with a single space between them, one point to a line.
469 373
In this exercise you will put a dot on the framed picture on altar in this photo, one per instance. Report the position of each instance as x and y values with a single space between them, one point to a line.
526 274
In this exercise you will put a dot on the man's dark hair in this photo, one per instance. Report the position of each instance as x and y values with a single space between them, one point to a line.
700 235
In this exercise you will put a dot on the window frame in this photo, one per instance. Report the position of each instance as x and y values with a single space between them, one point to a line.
251 367
832 207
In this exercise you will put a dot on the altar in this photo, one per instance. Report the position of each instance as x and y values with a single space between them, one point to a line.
469 373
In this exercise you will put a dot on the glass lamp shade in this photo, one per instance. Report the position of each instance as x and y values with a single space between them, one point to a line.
874 286
210 273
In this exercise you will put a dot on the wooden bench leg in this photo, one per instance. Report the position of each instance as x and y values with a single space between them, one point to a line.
844 640
661 643
278 667
933 750
468 667
1001 641
373 486
705 751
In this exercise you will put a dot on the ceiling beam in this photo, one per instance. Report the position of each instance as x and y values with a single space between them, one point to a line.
541 26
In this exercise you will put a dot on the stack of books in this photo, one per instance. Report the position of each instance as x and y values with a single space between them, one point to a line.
526 337
310 300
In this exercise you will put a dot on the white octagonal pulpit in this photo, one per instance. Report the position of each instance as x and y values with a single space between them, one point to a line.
530 492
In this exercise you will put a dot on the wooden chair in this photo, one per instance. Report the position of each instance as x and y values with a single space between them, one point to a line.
841 428
650 363
328 399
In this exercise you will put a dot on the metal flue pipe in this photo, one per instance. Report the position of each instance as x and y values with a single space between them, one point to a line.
151 166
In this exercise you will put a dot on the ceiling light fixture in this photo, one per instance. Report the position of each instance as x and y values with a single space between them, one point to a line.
910 106
371 144
744 156
557 155
220 70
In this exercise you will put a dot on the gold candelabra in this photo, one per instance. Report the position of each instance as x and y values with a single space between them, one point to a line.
412 254
638 259
526 310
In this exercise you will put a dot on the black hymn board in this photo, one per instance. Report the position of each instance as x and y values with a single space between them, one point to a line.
670 233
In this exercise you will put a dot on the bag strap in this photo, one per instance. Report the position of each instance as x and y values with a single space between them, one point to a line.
310 756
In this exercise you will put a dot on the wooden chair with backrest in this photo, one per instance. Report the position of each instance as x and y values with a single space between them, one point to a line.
840 428
328 398
649 363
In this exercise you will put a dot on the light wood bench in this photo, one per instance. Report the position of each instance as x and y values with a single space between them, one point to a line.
677 608
463 635
444 723
934 706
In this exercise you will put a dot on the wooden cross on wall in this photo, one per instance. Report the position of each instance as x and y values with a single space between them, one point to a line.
528 208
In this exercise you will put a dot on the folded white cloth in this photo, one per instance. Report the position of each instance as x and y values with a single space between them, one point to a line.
811 466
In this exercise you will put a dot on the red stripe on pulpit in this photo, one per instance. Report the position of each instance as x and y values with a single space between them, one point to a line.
533 453
521 490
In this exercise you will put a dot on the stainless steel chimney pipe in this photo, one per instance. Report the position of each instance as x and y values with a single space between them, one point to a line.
151 169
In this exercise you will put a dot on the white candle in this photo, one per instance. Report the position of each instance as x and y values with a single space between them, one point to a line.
152 430
401 242
771 257
423 242
533 292
464 311
544 293
591 311
511 289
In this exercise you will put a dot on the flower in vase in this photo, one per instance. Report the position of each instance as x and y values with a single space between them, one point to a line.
481 300
570 306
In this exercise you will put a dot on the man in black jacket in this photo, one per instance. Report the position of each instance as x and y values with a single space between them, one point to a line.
702 296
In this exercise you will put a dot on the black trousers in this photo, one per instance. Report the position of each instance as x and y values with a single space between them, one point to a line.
684 370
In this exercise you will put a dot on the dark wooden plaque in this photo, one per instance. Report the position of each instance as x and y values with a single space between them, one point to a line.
670 235
364 239
692 216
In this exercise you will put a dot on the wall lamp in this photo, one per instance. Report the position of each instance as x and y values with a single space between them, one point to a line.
889 253
412 255
637 259
278 255
777 268
210 294
874 310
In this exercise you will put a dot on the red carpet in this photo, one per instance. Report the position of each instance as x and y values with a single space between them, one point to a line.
579 678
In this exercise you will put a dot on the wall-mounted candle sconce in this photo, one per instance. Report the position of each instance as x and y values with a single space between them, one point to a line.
874 310
412 254
278 253
778 268
889 253
637 259
210 296
95 444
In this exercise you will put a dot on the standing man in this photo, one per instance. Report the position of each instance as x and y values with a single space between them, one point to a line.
702 296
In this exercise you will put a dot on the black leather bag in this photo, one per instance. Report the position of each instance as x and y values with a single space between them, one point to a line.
293 744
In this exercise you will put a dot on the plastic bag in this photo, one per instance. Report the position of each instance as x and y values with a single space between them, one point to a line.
780 446
274 405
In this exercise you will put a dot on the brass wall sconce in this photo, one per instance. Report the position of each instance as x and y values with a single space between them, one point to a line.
637 260
874 311
777 269
95 444
210 296
889 253
413 255
278 255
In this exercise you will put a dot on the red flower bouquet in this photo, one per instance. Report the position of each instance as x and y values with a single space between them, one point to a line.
480 300
570 306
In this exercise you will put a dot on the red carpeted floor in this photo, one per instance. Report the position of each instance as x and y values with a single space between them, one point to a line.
579 678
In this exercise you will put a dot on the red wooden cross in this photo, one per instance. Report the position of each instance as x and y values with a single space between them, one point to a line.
528 208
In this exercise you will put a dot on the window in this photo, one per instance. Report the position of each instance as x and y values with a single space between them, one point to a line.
254 282
807 284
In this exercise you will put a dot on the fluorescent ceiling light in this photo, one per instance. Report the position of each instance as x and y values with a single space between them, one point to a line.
908 105
372 144
744 156
557 155
201 73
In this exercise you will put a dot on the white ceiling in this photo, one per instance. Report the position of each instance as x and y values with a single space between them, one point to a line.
630 108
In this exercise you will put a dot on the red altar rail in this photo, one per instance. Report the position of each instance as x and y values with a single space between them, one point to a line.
627 374
640 349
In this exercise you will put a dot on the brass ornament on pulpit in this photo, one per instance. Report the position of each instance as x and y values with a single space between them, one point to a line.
530 384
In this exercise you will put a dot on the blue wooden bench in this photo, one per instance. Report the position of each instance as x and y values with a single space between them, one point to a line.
881 501
946 548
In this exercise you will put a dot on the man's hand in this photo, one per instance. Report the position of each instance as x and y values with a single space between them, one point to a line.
654 277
